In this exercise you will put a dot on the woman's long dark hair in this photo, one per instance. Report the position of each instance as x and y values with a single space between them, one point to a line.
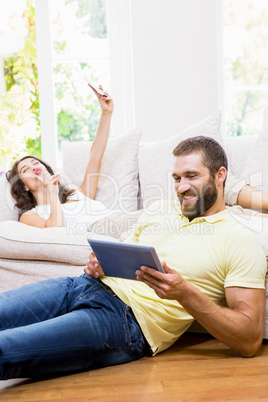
24 199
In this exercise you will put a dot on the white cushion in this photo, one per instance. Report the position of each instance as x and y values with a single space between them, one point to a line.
118 183
7 203
233 186
24 242
15 272
156 159
238 150
256 167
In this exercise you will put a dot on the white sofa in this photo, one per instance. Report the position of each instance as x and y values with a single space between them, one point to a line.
133 175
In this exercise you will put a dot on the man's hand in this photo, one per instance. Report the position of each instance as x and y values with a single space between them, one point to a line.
167 286
93 267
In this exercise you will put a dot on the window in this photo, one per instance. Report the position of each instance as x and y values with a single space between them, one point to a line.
79 50
72 45
245 49
74 38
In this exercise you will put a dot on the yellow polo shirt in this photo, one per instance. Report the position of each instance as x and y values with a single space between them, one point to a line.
211 252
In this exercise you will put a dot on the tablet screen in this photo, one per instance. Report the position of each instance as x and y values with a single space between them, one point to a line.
122 260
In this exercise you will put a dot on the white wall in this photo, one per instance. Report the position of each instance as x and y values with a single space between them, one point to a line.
169 53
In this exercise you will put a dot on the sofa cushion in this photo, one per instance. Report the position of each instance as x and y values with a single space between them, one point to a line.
233 186
15 273
238 150
20 241
118 183
156 159
256 166
7 203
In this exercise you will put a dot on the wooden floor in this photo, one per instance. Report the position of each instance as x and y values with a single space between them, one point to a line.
198 368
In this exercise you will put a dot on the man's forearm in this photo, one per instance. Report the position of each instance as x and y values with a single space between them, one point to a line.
240 326
233 327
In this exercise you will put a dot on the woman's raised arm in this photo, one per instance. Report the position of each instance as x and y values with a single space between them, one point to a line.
90 181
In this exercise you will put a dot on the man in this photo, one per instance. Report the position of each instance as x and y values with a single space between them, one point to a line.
70 324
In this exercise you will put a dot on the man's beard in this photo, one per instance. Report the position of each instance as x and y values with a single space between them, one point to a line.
204 200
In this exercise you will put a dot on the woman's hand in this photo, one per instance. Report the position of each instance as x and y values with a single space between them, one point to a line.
50 182
93 267
51 185
106 102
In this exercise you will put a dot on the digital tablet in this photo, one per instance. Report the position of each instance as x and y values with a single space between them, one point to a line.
121 260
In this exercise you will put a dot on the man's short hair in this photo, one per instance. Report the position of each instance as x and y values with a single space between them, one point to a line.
213 155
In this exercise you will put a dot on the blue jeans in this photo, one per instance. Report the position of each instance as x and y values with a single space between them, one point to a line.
65 325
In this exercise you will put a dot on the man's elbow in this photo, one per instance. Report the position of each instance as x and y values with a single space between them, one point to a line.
250 348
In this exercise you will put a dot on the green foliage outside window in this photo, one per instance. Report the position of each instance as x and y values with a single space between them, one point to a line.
19 118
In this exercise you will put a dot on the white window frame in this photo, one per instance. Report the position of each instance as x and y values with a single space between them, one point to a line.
119 25
45 83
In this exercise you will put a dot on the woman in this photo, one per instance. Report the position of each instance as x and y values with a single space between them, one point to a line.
43 202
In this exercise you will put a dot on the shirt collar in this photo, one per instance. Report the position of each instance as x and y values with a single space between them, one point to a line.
220 216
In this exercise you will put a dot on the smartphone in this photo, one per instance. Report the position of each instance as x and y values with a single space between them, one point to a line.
96 88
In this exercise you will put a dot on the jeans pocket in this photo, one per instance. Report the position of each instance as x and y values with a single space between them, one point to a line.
134 335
